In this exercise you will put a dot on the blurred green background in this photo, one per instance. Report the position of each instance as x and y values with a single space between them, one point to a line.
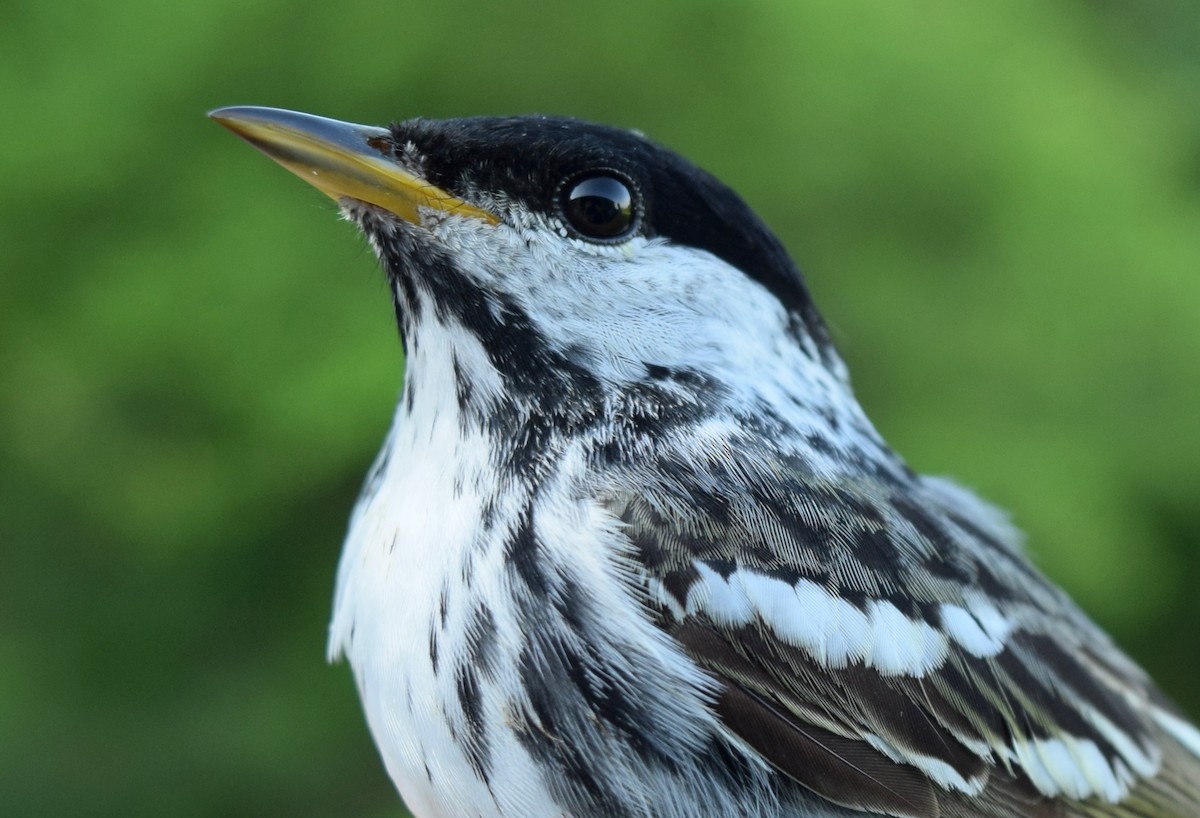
997 206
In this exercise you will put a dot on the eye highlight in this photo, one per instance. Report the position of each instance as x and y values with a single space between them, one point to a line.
599 205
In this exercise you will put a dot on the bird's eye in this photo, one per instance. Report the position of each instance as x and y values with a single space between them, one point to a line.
599 206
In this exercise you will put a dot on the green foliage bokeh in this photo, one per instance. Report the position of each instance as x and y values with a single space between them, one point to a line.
997 206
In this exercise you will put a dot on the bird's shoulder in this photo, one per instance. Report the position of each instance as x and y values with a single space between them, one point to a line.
884 641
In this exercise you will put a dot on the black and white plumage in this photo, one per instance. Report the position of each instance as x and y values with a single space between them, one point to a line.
633 549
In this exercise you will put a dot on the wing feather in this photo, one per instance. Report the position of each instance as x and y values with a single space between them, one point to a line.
900 656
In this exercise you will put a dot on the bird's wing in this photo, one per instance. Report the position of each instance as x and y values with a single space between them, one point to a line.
885 643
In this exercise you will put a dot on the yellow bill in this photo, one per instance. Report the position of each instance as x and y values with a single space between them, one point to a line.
342 160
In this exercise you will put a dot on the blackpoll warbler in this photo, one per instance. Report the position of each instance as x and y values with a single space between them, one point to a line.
632 548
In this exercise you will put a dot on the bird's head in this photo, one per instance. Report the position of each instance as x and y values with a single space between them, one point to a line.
579 256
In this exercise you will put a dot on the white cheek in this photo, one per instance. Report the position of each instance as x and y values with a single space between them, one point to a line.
618 308
645 301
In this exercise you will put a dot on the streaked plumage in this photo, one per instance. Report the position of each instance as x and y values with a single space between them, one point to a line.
633 549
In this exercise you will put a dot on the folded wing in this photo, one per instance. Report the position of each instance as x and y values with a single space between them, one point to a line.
887 646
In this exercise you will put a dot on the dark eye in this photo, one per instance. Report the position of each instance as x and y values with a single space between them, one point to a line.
599 206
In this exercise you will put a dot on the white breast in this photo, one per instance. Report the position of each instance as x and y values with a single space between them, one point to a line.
412 536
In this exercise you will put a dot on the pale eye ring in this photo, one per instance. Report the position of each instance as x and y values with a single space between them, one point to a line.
600 206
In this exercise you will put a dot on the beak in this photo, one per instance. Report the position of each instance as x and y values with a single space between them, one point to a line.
342 160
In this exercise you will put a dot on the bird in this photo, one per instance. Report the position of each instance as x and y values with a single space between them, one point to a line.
633 549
